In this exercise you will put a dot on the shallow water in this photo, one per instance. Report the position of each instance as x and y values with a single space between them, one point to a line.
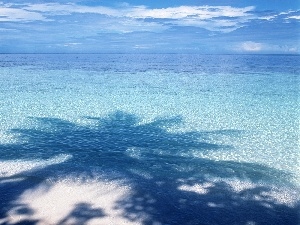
196 139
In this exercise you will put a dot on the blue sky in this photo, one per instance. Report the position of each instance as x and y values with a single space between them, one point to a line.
177 26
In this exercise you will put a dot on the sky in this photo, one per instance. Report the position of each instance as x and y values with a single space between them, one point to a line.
148 26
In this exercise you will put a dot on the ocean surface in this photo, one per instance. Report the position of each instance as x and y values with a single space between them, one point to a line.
151 139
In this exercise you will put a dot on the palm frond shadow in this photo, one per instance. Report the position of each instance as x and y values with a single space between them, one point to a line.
169 186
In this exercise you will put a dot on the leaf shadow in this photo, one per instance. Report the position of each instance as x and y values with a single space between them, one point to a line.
81 214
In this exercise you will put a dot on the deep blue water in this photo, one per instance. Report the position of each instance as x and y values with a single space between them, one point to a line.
199 139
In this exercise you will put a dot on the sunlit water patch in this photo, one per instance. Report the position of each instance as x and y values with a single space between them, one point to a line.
9 168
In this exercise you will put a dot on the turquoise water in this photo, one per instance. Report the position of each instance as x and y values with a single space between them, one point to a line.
199 139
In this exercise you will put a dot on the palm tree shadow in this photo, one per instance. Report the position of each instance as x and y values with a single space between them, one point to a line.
169 185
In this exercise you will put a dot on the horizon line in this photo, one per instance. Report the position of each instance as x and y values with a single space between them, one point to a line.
146 53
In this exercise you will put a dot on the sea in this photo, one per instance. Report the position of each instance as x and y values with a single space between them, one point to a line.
149 139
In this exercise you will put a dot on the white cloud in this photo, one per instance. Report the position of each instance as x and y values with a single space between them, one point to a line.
283 15
268 17
132 18
71 44
183 12
294 17
16 14
212 25
288 12
292 50
213 18
8 30
289 49
67 9
142 12
127 25
142 46
251 46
